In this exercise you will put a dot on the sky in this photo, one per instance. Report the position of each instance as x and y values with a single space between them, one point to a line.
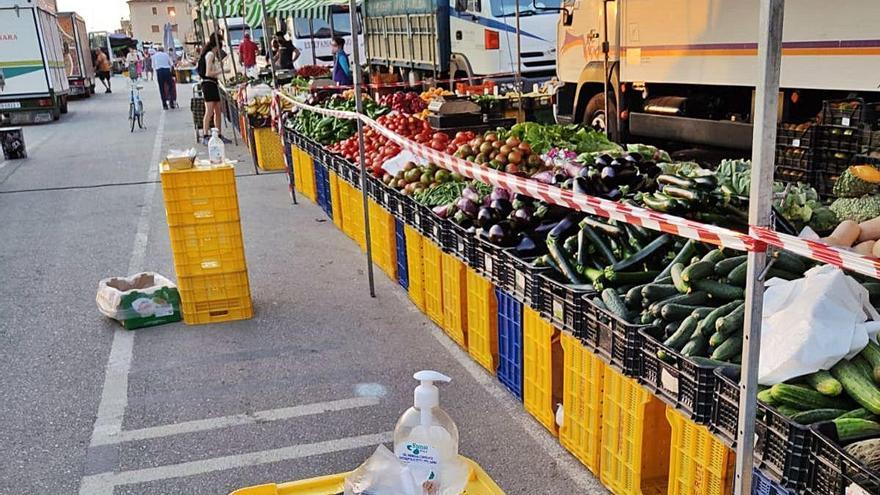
100 15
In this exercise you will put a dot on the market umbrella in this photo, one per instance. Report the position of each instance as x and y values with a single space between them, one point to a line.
168 41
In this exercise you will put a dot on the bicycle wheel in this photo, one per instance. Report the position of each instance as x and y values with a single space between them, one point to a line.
140 115
131 115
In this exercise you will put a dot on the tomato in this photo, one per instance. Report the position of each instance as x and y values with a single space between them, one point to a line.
439 136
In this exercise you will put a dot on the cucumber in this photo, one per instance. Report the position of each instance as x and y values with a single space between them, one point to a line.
723 267
671 327
615 304
737 276
864 366
697 271
633 298
707 324
655 292
687 250
824 383
713 256
677 280
692 299
786 410
816 415
802 398
646 318
676 311
703 312
871 353
682 334
719 290
788 262
860 413
731 322
852 429
857 385
729 349
717 339
697 346
704 361
767 398
625 278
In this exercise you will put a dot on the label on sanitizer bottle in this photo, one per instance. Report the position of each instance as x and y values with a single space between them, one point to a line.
420 459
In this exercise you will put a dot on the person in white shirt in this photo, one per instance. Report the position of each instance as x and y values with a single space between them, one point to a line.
162 66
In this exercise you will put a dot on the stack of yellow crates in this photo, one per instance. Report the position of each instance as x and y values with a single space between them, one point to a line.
201 205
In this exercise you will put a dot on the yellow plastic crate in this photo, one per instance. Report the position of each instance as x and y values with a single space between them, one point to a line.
431 262
336 201
635 439
382 239
482 321
353 212
270 149
542 369
582 382
454 284
200 195
296 161
415 267
215 298
479 484
207 249
699 464
307 177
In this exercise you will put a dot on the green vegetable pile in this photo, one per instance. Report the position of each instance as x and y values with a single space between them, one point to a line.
328 130
571 137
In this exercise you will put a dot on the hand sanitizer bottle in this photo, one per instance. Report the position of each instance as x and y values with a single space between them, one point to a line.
426 439
216 148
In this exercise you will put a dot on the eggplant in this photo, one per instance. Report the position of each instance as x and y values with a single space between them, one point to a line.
627 175
502 207
467 206
500 193
526 247
546 177
616 163
544 228
614 194
564 228
559 179
462 219
522 216
604 160
486 217
469 193
499 234
441 211
633 157
582 185
567 184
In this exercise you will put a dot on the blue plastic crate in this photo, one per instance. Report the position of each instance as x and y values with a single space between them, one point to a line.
510 336
400 247
322 186
763 485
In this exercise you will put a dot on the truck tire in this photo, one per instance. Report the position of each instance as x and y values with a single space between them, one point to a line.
594 116
62 104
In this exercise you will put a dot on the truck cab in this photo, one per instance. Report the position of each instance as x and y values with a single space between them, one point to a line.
313 36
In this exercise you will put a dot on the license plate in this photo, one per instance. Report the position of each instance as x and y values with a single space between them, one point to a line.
10 105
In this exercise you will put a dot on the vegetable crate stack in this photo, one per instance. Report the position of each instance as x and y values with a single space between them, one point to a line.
201 205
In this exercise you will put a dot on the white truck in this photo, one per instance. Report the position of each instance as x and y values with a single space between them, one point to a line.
33 82
313 36
460 38
686 71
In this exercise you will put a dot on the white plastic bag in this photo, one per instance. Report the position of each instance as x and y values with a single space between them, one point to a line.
382 474
811 323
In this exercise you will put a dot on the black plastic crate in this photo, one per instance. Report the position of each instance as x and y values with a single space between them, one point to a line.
564 305
835 472
849 112
489 260
421 218
678 380
460 243
824 184
792 158
374 189
400 203
795 135
782 447
832 162
521 279
618 342
838 138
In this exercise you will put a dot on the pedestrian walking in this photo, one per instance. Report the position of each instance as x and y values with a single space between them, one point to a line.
247 52
287 54
210 68
102 69
148 64
131 60
341 67
162 64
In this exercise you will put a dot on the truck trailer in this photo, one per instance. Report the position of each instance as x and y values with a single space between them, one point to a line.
77 54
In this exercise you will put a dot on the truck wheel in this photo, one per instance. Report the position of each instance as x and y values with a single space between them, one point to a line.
63 104
594 116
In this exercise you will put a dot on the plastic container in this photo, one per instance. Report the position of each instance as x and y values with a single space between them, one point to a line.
459 243
838 138
565 306
482 321
542 369
270 151
635 439
582 395
510 334
521 278
307 184
207 249
480 484
788 134
617 340
200 195
382 239
415 267
848 112
834 471
336 201
431 261
215 298
488 260
141 300
296 157
699 464
353 213
454 283
762 485
400 251
322 188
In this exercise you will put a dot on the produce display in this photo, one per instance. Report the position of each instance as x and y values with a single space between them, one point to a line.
512 155
327 130
408 102
313 71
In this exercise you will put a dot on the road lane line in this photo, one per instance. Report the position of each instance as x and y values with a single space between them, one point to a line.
114 394
103 484
238 420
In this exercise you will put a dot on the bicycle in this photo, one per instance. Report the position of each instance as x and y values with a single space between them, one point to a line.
135 106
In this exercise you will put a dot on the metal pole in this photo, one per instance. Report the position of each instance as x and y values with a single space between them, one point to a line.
760 202
359 104
312 37
518 72
605 49
228 37
268 43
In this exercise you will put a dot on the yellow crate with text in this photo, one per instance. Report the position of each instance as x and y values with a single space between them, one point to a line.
207 249
308 187
353 212
699 464
454 285
414 266
336 201
635 438
270 149
296 160
582 382
431 262
215 298
199 195
542 368
482 321
382 239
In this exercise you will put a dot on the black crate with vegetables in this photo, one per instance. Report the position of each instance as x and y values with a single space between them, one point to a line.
522 277
840 467
617 341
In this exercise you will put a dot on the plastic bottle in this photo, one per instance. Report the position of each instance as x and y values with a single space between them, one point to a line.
216 148
426 439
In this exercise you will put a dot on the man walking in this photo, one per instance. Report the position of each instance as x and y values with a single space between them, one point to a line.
162 66
247 52
102 69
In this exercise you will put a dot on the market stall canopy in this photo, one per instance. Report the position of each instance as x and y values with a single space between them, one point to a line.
252 10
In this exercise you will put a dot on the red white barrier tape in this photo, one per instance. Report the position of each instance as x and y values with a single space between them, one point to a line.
819 251
339 114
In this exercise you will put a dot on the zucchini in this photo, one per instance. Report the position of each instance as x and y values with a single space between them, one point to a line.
561 259
707 324
599 243
767 398
802 398
729 349
627 278
686 251
701 313
857 385
633 298
717 339
719 290
682 193
714 256
860 413
824 383
697 271
615 304
705 182
724 267
677 279
674 180
697 346
737 276
731 322
682 334
571 246
642 255
606 228
871 353
692 299
660 202
704 361
671 328
676 311
816 415
852 429
656 292
583 251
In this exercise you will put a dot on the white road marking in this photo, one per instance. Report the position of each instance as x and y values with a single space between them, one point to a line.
103 484
238 420
114 395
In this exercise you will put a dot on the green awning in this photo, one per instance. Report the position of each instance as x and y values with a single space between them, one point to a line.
252 10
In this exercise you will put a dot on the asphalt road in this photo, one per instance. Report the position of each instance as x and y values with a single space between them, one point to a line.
307 387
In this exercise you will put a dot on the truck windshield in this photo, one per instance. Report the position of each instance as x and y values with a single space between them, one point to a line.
321 27
503 8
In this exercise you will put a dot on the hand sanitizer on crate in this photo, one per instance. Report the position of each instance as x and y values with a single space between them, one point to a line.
216 148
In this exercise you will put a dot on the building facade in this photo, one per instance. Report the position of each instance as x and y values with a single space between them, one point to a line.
148 18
